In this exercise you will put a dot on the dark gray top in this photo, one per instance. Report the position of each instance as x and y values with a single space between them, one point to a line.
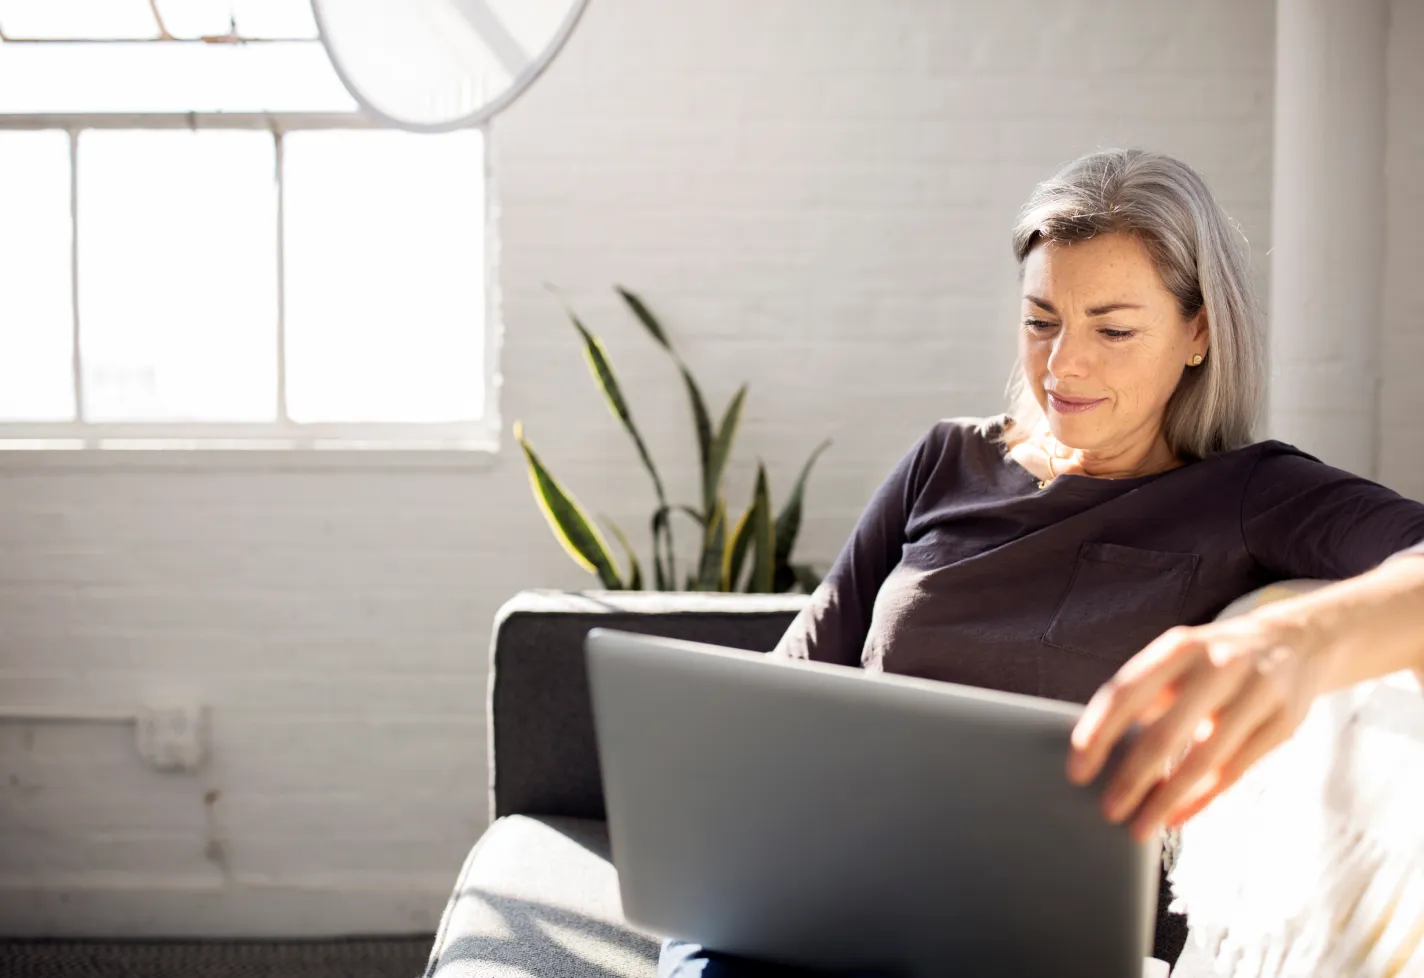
962 569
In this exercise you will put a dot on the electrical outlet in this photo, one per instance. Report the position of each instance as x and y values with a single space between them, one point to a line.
173 737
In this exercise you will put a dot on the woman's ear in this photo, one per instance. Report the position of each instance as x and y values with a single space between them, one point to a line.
1201 333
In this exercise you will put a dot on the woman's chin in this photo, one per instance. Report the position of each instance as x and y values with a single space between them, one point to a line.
1073 432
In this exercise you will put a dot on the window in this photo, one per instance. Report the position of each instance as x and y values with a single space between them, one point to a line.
203 243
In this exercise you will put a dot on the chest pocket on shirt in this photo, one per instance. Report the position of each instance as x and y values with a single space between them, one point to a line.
1120 599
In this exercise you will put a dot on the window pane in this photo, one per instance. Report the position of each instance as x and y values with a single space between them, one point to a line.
196 18
77 19
36 323
177 275
125 19
385 276
253 18
293 76
274 18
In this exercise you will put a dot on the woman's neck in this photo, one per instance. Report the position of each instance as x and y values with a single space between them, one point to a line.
1142 457
1037 449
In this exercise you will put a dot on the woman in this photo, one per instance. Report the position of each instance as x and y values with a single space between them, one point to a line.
1080 546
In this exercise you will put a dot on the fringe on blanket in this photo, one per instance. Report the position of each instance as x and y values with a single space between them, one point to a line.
1312 866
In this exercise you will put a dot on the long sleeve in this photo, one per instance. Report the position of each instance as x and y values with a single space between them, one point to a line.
833 627
1302 518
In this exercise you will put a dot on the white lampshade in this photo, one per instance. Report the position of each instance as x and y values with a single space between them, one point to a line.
439 64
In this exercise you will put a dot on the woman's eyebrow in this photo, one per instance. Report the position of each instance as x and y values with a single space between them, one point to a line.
1102 310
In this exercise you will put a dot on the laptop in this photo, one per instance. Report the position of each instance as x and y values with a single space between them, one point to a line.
816 815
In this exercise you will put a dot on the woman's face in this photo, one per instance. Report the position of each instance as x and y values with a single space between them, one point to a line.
1103 342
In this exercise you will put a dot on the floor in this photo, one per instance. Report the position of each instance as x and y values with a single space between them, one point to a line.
401 957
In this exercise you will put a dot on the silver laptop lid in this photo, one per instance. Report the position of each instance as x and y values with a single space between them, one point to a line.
829 817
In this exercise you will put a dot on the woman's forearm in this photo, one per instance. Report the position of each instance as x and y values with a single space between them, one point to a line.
1364 627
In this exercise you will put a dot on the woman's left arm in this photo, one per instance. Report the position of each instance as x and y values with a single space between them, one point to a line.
1211 700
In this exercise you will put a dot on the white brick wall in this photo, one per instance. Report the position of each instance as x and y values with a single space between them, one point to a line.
1402 349
815 194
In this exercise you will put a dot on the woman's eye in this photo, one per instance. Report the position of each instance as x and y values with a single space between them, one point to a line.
1116 334
1038 324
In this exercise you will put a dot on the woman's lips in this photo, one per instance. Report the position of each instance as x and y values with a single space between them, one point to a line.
1073 405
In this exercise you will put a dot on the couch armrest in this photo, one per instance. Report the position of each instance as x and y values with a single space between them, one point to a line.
543 756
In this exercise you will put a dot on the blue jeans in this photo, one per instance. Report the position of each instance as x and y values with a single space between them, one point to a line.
681 959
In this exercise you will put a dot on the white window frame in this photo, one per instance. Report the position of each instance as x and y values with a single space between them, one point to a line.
281 435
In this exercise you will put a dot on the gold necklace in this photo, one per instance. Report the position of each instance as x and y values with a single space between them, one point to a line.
1044 483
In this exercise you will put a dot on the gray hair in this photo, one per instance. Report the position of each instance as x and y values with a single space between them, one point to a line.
1203 260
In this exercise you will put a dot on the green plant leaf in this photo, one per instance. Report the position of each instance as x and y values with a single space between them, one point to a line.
670 548
722 447
663 574
788 521
700 416
701 420
697 517
571 525
763 537
635 572
806 576
702 424
664 548
602 371
709 575
649 321
736 553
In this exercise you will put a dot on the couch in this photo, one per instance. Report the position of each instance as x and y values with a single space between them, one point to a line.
538 895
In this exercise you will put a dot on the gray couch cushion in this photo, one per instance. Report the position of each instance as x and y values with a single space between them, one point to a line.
538 898
543 757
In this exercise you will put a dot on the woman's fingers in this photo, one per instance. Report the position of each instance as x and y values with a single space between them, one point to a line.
1201 692
1283 675
1200 772
1120 701
1266 739
1235 689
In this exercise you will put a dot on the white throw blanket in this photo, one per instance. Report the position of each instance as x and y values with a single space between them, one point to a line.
1312 865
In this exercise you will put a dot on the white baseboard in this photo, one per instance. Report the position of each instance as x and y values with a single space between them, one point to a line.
232 912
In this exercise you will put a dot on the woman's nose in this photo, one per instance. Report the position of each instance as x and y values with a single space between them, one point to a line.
1070 356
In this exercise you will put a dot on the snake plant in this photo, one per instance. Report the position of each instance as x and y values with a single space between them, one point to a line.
727 542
